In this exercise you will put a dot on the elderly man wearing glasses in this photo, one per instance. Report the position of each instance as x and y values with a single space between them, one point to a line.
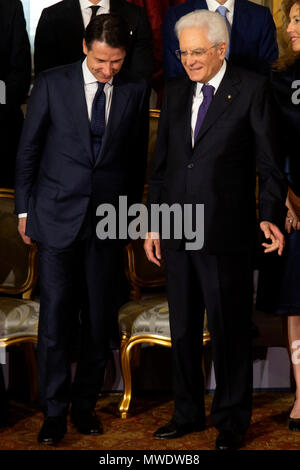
215 128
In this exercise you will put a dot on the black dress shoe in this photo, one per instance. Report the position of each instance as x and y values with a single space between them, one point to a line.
294 424
173 430
53 430
86 422
229 440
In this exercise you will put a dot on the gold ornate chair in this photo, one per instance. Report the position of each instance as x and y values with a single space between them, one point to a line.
18 276
145 319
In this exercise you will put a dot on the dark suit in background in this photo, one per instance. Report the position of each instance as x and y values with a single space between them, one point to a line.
252 42
59 34
15 72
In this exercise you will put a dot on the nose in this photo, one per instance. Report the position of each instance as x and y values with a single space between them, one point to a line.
289 28
189 60
107 69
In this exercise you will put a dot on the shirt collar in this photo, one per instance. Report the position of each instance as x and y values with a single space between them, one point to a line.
215 81
88 77
86 4
213 5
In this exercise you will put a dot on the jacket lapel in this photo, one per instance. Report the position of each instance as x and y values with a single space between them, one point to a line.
78 107
186 116
120 97
225 95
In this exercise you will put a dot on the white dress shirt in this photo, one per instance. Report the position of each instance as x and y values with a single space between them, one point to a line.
212 5
87 12
198 96
90 89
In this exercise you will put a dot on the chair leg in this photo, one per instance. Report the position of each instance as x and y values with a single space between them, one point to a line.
126 346
136 356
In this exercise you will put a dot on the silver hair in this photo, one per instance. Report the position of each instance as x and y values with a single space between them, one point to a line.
211 21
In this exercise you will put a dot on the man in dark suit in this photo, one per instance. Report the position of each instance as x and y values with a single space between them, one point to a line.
82 146
60 30
252 34
15 72
215 126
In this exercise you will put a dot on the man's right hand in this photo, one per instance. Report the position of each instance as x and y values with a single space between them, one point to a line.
152 248
22 230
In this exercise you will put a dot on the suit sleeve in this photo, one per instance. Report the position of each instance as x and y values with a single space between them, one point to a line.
31 144
269 157
141 56
159 162
18 78
139 140
45 45
268 49
172 65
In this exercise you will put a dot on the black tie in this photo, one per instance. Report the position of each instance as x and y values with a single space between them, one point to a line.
98 119
94 9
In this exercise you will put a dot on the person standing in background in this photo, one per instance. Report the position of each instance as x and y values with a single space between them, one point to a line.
60 30
15 73
251 29
284 279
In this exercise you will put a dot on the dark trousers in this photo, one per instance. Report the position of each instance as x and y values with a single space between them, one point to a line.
222 285
81 277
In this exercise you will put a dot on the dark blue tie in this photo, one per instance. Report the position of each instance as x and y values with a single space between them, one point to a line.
208 93
98 119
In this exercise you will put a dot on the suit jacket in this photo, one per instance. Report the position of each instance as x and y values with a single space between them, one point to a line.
60 31
252 43
290 118
57 180
15 72
238 134
15 63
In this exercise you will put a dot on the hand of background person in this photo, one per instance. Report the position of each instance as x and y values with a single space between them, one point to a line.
272 233
292 219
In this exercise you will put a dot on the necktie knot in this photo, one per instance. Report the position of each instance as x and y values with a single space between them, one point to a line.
94 9
100 87
222 10
208 91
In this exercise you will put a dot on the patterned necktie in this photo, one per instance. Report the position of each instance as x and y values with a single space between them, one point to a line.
223 11
208 93
94 9
98 119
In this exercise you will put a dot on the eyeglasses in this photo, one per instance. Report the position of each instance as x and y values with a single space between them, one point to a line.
195 53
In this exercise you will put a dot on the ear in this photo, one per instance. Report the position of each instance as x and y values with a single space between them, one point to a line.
85 49
222 48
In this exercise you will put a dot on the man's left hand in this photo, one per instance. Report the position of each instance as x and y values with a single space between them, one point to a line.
272 232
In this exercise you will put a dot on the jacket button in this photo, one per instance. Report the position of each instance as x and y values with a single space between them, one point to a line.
190 166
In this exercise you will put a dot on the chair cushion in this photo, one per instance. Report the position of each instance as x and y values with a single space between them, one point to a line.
148 315
18 317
